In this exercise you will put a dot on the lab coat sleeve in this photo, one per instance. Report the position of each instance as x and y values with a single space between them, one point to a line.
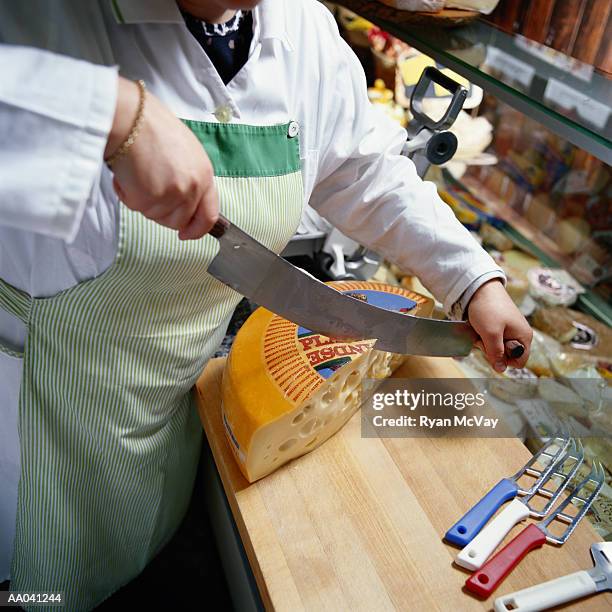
55 116
373 194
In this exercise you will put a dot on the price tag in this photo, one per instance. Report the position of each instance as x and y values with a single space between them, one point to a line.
570 99
512 68
551 56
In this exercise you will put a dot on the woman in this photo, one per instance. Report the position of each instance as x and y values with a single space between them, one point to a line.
107 314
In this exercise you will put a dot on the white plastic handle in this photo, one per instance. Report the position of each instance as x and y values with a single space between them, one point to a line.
480 548
547 594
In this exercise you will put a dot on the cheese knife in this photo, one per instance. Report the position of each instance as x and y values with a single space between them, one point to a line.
251 269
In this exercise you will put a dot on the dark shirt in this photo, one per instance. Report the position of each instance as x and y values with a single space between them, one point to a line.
226 44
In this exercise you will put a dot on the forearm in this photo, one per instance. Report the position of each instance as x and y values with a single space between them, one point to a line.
378 200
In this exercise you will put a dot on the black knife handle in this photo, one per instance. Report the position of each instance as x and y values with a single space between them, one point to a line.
514 349
220 227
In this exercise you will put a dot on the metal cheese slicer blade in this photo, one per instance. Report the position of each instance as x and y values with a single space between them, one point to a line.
251 269
562 473
547 456
576 498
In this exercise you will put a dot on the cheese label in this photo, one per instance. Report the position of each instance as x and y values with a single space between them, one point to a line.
299 360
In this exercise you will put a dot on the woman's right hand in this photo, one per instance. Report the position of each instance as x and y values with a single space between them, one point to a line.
165 174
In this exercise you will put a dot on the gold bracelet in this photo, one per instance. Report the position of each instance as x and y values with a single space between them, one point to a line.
131 137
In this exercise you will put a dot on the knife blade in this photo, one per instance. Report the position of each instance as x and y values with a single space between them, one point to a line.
251 269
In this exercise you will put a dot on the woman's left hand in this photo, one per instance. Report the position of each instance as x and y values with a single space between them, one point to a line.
495 318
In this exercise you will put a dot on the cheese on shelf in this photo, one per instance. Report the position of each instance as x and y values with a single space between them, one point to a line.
286 389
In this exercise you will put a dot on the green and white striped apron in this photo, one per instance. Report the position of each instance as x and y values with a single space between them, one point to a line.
109 436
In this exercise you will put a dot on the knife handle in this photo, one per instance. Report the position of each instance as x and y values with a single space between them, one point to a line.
514 349
469 525
548 594
220 227
492 573
484 544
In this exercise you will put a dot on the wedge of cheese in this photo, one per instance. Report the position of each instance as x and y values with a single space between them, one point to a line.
286 389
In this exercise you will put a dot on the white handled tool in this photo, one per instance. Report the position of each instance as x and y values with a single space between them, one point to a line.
567 588
482 546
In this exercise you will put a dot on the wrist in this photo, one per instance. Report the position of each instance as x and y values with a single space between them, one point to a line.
486 287
126 110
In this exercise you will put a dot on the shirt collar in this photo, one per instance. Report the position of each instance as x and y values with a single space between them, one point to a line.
270 15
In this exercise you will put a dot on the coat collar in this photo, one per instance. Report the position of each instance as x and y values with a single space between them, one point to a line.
269 16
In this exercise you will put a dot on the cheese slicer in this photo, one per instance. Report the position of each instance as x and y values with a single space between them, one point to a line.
470 524
484 581
567 588
482 546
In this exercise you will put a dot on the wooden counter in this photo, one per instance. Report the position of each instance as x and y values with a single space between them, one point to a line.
357 524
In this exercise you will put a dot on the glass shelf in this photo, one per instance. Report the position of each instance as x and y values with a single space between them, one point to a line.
565 95
531 240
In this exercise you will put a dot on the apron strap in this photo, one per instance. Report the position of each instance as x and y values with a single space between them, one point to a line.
15 301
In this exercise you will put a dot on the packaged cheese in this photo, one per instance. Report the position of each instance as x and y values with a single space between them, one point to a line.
516 284
543 349
576 330
561 398
286 389
514 384
554 287
555 321
515 265
493 237
593 336
571 233
518 260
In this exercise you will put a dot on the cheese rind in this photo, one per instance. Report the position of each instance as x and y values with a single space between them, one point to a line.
286 390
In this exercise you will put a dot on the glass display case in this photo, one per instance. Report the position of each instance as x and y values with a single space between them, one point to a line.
566 95
538 192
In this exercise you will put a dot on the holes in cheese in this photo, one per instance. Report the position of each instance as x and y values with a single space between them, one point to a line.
298 418
287 444
351 381
289 389
309 427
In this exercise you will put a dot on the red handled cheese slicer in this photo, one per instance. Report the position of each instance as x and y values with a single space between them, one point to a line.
482 546
484 581
565 589
468 526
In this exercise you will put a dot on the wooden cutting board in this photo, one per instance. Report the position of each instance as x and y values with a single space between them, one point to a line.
357 524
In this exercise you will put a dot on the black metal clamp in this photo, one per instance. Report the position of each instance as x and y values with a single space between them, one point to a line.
429 136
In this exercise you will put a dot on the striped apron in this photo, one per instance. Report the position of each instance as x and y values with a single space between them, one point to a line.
109 436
